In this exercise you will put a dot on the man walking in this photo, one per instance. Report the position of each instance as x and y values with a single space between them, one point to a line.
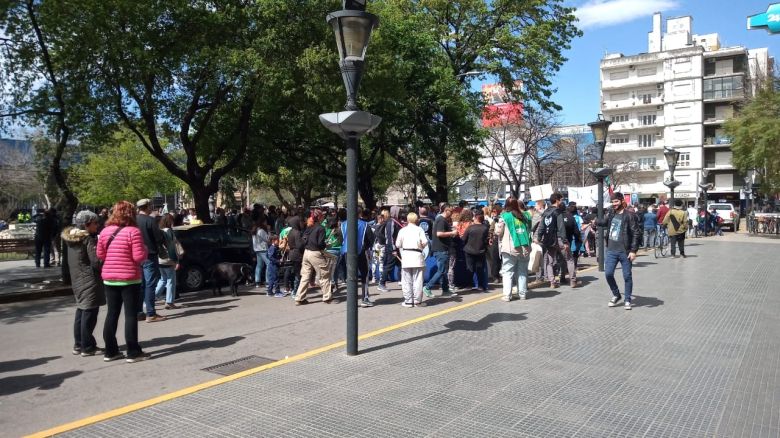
676 224
315 260
649 225
411 242
152 237
624 235
440 246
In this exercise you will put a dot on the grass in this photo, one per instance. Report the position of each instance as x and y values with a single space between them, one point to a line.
12 256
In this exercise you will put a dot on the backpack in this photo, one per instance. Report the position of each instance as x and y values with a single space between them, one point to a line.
380 234
549 223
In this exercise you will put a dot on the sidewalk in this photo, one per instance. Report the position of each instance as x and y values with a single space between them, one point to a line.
21 280
697 357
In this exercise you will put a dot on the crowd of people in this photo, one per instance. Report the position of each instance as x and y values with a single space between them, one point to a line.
127 258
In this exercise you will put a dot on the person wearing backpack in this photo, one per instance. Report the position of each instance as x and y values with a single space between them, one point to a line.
623 236
551 235
676 223
572 224
390 229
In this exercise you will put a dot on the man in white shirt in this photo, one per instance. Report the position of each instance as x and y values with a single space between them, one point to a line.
692 214
410 243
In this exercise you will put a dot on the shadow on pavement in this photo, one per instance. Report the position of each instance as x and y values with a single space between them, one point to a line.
483 324
168 340
31 310
208 303
638 301
195 346
586 280
534 294
16 384
201 311
388 301
16 365
643 264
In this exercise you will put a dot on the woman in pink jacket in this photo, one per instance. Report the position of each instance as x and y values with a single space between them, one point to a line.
122 250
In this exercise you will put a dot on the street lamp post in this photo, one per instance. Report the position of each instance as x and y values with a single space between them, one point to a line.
352 26
704 186
671 156
600 128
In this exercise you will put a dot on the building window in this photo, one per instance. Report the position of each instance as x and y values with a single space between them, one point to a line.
646 163
618 139
646 140
620 118
647 119
684 160
722 88
646 97
618 96
646 71
618 75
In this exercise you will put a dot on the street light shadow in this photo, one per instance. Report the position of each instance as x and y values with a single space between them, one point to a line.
545 294
196 346
16 384
452 326
169 340
201 311
210 303
21 364
388 301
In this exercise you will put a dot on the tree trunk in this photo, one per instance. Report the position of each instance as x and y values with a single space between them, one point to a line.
442 187
366 191
200 195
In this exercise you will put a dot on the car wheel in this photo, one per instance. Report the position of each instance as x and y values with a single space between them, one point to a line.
194 278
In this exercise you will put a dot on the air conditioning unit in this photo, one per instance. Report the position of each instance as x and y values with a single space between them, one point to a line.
660 107
659 86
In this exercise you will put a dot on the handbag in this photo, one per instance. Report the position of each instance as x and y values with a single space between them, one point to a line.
535 258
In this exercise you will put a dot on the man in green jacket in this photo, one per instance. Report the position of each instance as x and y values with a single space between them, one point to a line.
676 223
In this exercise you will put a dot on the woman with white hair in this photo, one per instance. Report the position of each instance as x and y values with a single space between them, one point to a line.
411 242
81 242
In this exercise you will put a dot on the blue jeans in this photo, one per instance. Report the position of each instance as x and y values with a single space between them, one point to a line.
649 237
514 272
262 262
442 266
167 282
272 279
610 263
151 270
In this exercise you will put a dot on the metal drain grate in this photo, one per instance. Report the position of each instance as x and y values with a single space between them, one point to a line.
238 365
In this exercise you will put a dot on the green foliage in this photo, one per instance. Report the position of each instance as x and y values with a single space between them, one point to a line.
755 138
120 169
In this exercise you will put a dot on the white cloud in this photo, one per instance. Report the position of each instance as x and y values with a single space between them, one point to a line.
602 13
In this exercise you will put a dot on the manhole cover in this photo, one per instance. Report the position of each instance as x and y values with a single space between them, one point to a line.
238 365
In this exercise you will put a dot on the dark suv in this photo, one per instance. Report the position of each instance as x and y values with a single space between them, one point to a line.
205 246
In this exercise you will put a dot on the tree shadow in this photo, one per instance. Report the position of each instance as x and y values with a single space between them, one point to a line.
643 264
638 301
452 326
438 299
30 310
202 311
195 346
16 384
16 365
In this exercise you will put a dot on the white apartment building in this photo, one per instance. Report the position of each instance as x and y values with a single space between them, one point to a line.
677 95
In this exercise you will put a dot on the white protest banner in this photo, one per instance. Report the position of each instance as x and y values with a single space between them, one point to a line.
587 196
541 192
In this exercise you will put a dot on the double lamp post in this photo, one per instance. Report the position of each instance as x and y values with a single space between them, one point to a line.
352 26
671 157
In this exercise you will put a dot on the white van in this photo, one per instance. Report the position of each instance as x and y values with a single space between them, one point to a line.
727 212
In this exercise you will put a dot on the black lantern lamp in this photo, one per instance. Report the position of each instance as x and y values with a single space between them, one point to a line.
671 157
352 26
600 128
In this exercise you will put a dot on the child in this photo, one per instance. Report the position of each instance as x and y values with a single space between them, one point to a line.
274 259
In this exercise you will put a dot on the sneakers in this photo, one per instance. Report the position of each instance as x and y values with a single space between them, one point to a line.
614 301
382 288
575 284
521 297
281 294
113 358
155 318
365 303
76 351
301 302
628 305
405 304
427 292
554 285
507 299
141 357
449 294
172 306
96 350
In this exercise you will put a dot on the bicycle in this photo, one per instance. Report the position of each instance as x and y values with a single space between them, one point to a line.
661 247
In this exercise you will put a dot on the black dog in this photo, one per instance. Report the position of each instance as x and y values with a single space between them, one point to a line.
232 273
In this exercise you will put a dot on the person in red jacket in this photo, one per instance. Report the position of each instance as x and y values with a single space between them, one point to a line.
121 248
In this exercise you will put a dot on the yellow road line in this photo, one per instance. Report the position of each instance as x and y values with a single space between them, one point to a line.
211 383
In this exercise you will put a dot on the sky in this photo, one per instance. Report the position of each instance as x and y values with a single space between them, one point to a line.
621 26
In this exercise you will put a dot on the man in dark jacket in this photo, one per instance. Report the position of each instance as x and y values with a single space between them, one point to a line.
624 236
44 230
153 238
295 248
574 237
551 234
80 242
315 260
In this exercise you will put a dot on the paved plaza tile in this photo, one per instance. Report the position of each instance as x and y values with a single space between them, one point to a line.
697 357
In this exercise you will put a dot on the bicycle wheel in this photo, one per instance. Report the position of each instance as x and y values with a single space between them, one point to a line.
657 247
664 245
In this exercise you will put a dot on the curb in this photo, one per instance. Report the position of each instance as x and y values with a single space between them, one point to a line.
16 297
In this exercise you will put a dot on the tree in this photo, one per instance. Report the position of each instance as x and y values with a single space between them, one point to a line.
121 169
438 44
755 137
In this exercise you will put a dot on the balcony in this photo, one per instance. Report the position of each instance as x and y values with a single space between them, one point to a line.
631 103
634 125
723 95
717 141
711 165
